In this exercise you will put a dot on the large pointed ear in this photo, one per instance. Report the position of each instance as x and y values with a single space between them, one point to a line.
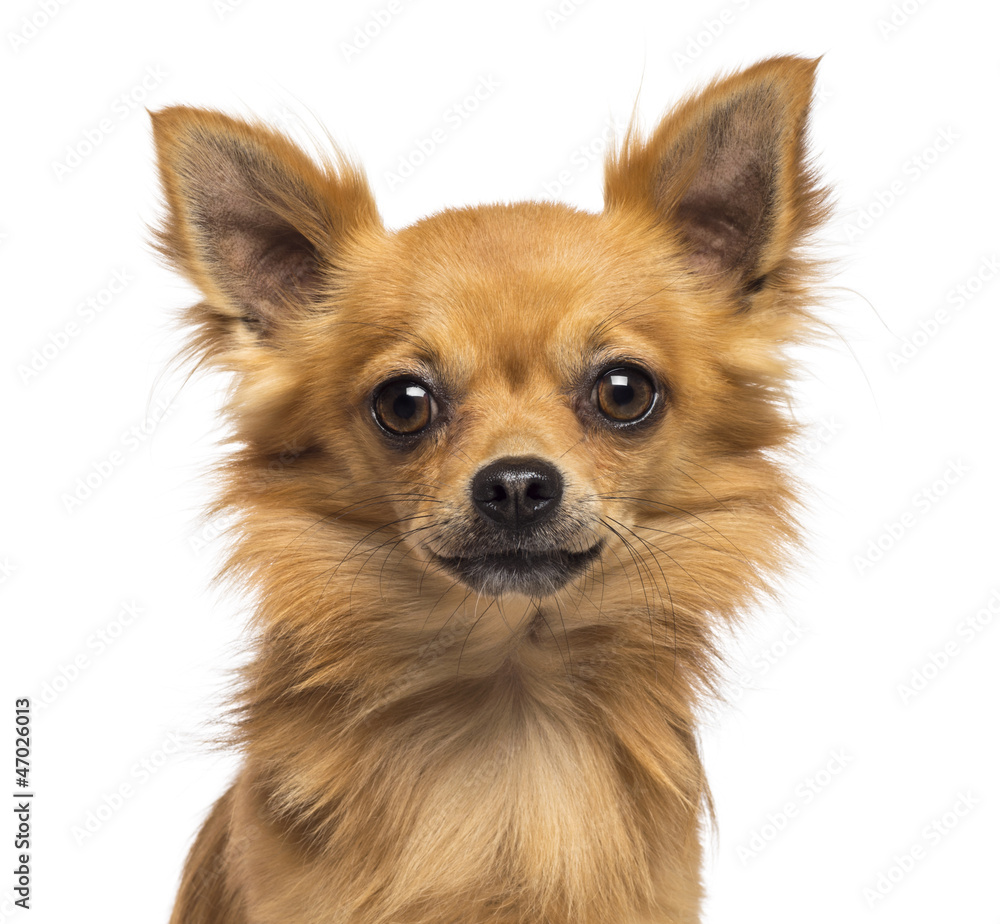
726 172
251 220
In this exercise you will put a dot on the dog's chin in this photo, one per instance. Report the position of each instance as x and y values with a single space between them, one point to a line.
532 574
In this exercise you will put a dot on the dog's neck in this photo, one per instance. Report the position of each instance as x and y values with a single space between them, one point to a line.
568 759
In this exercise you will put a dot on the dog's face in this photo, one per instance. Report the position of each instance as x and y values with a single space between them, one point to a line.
511 401
541 383
513 371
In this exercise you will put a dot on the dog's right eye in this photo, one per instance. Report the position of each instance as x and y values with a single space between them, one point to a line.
404 407
624 395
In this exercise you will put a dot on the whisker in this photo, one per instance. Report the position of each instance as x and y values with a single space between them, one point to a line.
676 535
566 660
642 583
374 500
452 585
350 553
712 472
472 628
721 503
673 507
458 606
666 583
394 541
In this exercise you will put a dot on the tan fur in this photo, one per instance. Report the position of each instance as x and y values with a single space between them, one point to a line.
415 751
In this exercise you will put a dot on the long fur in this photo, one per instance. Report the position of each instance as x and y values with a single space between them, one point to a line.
414 751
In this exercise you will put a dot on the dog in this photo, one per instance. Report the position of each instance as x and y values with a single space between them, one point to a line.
498 482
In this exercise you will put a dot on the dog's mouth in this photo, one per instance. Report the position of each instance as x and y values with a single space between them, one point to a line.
534 574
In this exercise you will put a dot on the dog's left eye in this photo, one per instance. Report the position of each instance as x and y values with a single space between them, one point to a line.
404 407
624 395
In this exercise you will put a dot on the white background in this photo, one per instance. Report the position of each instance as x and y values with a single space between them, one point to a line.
905 128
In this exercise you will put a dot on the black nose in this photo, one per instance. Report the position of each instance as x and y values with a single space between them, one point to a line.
517 492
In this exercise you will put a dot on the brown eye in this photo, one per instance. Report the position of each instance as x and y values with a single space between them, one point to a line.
624 395
404 407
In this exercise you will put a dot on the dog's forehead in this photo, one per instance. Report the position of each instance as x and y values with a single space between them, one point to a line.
509 284
494 251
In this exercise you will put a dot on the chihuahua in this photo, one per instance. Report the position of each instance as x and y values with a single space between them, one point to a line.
498 480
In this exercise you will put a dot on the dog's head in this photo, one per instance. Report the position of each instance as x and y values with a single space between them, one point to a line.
510 400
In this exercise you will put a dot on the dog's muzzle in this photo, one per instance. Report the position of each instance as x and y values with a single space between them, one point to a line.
517 500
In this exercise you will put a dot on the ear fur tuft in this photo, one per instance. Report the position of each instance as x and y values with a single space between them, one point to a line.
251 219
726 171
